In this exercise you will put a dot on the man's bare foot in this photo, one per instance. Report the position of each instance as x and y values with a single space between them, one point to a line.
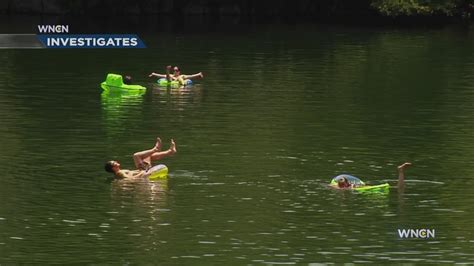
403 166
157 144
151 75
201 75
173 146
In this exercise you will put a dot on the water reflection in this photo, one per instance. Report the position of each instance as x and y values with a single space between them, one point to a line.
117 107
181 98
147 190
144 204
115 102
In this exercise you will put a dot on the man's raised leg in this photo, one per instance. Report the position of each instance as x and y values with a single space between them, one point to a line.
142 158
160 155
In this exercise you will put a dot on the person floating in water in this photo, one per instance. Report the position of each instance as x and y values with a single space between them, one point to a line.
176 76
344 183
142 161
127 80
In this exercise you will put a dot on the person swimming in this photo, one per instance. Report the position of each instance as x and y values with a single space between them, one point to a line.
127 80
176 76
142 161
343 181
182 77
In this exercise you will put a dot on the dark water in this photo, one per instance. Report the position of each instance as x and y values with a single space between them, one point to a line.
280 111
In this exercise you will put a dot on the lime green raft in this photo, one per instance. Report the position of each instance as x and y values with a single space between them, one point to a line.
360 185
376 188
114 82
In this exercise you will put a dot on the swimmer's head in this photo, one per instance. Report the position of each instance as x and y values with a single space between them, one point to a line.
176 70
112 166
127 80
343 182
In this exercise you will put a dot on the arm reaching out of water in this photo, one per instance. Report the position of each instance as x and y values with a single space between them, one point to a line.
181 78
153 74
401 174
193 76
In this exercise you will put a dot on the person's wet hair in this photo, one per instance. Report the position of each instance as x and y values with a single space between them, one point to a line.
127 80
109 166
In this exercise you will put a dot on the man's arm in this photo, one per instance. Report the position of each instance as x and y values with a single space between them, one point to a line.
130 174
401 174
157 75
193 76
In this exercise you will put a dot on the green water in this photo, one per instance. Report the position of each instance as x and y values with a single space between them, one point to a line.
280 112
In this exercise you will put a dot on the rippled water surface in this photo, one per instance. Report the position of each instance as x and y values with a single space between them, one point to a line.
280 112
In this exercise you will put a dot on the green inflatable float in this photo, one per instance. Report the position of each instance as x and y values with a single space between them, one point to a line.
174 84
159 171
114 82
359 185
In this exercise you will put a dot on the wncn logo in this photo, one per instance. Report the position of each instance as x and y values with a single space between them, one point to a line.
57 36
416 233
53 28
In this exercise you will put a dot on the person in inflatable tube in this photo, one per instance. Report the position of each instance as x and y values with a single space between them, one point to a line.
142 160
181 78
344 183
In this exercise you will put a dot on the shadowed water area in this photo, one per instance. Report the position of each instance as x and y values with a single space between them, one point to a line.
282 109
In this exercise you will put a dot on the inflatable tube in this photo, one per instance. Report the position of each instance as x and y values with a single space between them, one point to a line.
381 187
159 171
114 82
359 185
164 82
352 180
